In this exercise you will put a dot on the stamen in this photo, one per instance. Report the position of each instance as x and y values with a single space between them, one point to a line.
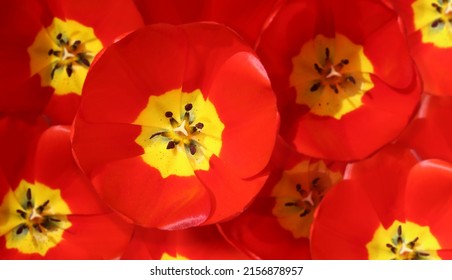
436 23
334 88
21 229
318 69
54 220
188 107
315 182
327 53
344 61
157 134
173 122
69 70
168 114
21 213
192 148
59 36
171 145
52 74
41 208
75 45
315 87
290 204
50 52
298 187
304 213
29 205
29 194
393 249
423 254
351 79
82 59
399 230
437 7
37 228
199 125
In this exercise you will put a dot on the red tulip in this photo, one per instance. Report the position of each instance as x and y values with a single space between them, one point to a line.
278 222
48 48
428 27
343 76
176 125
389 206
54 212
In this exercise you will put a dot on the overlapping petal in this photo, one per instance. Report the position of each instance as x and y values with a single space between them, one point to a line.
247 18
429 134
200 243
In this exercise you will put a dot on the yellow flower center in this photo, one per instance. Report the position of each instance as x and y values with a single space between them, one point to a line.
62 54
298 193
34 218
434 19
180 132
167 256
331 75
403 241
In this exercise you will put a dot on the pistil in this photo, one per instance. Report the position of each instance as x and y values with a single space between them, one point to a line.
182 132
36 218
69 55
330 74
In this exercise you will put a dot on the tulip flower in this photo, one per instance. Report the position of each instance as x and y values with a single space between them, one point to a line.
278 222
390 206
343 91
49 47
176 125
428 26
54 212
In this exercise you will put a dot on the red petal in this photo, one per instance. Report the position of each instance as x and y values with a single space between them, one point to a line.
144 196
229 193
200 243
358 133
18 140
97 144
344 223
383 178
429 133
429 197
55 167
251 118
258 233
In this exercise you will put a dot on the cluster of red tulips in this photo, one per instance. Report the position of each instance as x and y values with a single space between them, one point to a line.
226 129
